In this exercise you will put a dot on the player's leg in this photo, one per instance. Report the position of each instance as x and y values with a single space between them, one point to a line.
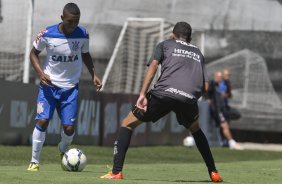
45 108
67 135
38 139
123 140
67 110
155 110
227 134
204 149
121 145
188 116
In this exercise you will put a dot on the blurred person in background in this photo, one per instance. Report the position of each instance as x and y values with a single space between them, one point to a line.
225 86
67 46
217 101
225 89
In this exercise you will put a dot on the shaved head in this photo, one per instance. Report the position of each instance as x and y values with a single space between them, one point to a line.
70 18
71 8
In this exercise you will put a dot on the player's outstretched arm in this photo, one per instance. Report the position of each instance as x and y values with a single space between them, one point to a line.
142 101
86 57
34 59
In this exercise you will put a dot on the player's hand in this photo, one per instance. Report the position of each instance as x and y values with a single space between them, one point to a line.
142 103
45 79
97 83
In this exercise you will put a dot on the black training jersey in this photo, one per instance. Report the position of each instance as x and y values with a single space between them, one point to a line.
183 71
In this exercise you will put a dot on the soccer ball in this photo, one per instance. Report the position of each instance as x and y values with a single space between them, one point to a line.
74 160
189 141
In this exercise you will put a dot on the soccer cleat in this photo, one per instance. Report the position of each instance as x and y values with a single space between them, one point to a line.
33 166
236 146
215 177
112 176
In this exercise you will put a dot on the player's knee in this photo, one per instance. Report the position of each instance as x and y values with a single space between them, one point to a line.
42 123
69 130
194 126
130 122
129 125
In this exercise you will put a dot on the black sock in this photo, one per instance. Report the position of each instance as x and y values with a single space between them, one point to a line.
120 147
204 149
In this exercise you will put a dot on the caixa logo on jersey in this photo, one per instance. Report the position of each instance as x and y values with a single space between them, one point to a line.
75 46
71 58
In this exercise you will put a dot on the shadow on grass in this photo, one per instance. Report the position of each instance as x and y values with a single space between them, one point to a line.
176 181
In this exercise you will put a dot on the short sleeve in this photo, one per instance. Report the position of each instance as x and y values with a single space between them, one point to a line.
40 42
158 54
85 46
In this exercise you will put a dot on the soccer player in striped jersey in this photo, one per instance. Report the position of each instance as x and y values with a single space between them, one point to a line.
67 46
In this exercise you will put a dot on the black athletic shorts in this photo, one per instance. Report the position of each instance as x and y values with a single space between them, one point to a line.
158 107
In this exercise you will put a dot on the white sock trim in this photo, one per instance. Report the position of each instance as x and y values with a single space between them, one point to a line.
65 141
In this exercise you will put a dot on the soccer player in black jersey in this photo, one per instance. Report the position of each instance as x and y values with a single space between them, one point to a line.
182 81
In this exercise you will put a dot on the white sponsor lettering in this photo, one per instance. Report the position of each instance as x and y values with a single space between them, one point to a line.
115 148
186 53
185 43
179 92
182 42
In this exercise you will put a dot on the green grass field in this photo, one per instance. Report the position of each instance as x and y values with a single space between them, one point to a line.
164 164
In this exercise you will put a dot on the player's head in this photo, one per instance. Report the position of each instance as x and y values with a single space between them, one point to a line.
70 17
182 30
217 76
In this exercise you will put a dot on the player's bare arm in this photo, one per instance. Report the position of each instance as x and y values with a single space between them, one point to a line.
35 61
206 86
142 101
86 57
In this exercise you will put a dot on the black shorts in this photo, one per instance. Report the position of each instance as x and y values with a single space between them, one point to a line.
158 107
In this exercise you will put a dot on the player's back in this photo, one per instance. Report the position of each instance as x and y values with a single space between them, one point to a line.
182 74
